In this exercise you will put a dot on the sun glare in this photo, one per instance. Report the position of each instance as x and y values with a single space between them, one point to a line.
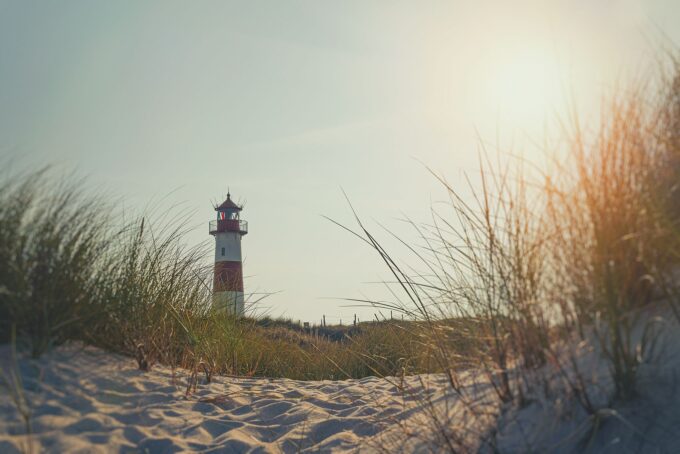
523 89
517 88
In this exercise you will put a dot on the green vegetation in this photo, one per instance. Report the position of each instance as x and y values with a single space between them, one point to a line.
70 271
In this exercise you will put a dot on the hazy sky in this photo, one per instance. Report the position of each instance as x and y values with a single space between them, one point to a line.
288 102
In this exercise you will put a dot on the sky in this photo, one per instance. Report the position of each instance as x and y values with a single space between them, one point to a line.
290 105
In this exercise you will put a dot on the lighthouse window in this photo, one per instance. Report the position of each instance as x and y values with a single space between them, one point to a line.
222 251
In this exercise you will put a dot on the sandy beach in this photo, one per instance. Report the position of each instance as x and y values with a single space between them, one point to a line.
82 399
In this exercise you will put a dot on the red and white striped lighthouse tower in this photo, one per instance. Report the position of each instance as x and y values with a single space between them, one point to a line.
228 229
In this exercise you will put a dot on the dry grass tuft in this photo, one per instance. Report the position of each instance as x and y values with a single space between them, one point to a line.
580 256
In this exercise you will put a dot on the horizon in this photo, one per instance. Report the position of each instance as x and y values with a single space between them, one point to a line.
287 107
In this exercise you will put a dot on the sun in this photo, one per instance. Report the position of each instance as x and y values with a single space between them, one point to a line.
522 87
517 87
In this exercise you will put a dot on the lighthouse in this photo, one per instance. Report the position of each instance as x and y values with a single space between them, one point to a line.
228 229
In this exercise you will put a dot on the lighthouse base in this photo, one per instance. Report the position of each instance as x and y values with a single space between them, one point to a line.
229 301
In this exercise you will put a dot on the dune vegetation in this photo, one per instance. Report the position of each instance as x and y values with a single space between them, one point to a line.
69 271
571 276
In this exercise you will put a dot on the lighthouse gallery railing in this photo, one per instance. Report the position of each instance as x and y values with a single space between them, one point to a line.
228 225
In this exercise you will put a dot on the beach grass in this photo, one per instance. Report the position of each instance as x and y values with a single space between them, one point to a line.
72 271
556 262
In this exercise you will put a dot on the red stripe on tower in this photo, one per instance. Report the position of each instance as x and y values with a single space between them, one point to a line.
228 277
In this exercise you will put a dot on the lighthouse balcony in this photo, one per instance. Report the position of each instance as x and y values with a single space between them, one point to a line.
228 225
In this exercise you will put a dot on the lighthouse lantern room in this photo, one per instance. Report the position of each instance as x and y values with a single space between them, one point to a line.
228 229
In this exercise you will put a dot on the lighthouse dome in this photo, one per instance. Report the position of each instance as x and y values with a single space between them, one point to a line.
228 219
228 205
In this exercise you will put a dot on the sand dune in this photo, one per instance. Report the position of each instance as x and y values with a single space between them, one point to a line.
84 399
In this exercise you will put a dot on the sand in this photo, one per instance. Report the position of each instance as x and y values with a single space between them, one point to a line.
82 399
